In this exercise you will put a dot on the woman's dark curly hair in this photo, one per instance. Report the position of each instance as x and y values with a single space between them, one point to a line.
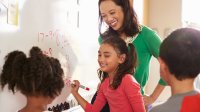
36 75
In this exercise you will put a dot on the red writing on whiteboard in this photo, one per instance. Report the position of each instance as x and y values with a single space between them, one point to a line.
48 52
56 36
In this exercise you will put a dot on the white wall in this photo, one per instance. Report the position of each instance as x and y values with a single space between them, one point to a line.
164 16
52 24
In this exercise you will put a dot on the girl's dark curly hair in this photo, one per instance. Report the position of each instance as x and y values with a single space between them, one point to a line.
37 75
6 76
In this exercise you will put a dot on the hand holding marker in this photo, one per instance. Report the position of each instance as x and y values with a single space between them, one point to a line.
81 86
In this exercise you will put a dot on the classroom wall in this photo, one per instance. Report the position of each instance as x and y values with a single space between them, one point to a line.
165 15
63 29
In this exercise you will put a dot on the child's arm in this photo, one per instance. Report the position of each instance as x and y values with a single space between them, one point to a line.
132 90
96 107
78 97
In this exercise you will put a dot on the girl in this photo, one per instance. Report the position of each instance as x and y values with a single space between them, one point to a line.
38 77
119 88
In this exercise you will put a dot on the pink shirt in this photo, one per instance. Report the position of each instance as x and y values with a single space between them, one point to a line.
126 98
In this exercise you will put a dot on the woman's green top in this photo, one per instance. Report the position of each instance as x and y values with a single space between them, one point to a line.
147 43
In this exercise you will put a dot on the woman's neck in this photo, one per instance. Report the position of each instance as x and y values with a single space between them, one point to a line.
123 36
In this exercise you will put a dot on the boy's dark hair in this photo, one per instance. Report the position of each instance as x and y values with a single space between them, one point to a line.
37 75
129 65
181 53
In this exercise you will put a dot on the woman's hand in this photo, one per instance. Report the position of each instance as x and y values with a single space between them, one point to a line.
148 100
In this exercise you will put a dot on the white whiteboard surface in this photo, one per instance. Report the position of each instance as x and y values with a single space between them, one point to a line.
50 24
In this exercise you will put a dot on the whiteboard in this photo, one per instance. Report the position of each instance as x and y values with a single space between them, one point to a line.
53 25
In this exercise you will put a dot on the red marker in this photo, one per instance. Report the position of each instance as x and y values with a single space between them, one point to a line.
83 87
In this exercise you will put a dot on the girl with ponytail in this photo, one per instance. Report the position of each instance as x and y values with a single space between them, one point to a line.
119 88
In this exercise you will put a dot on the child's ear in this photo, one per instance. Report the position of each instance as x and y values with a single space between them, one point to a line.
163 65
160 61
122 58
164 70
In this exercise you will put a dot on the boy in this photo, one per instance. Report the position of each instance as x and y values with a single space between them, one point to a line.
179 65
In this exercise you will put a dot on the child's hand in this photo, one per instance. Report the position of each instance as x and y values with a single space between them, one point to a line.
75 86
